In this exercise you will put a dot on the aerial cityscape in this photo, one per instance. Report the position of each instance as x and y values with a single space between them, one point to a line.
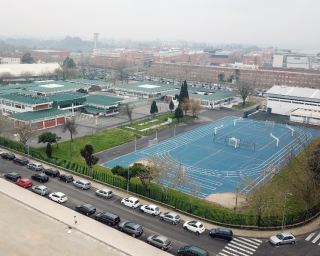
145 128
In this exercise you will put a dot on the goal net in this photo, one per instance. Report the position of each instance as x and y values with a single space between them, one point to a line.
153 142
269 123
233 142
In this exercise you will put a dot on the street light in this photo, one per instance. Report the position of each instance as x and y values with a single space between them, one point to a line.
284 207
127 179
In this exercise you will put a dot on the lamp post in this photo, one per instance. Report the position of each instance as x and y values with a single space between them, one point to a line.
284 207
127 179
235 208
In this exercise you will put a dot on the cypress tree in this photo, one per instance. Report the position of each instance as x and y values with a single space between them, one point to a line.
154 108
178 113
171 106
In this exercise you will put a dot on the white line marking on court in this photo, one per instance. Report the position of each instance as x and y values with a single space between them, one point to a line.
241 245
316 238
239 248
233 250
310 236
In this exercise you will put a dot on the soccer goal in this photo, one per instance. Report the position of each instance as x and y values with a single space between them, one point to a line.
233 142
269 123
153 142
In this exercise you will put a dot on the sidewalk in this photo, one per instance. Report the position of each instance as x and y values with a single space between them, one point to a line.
314 225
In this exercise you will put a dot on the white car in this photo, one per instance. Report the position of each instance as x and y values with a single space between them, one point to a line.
58 197
151 209
131 202
1 152
194 226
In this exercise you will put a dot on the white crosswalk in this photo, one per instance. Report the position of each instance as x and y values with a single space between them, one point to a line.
240 246
314 238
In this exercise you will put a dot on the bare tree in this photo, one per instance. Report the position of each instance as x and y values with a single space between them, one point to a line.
71 127
185 105
6 77
5 124
127 111
194 189
121 67
245 88
195 106
24 132
167 173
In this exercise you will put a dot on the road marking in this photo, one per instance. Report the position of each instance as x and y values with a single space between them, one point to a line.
239 248
316 238
241 245
257 240
236 251
245 243
230 253
246 239
310 236
222 254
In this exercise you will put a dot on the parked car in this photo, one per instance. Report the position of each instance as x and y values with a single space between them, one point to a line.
222 233
41 177
192 250
107 218
12 176
106 193
194 226
52 172
131 228
160 241
21 160
8 156
86 209
35 166
83 184
283 238
170 217
66 177
131 202
41 190
1 152
58 197
24 183
151 209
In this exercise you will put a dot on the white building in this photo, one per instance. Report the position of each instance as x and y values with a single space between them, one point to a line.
298 62
302 104
278 60
108 53
9 60
33 69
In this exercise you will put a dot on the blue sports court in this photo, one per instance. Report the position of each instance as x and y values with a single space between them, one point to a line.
220 155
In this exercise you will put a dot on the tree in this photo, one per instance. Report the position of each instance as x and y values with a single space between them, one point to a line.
221 77
65 61
6 77
49 150
70 125
25 132
70 63
194 106
5 124
178 113
184 94
153 108
245 89
166 172
121 67
185 105
26 75
127 111
171 106
123 172
143 174
49 137
27 59
87 154
194 189
230 78
82 91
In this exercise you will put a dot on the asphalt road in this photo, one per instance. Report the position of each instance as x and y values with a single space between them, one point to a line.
179 237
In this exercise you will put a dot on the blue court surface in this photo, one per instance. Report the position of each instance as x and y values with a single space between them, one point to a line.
220 162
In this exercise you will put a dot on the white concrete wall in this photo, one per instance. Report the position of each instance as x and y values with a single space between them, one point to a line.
277 61
308 120
285 107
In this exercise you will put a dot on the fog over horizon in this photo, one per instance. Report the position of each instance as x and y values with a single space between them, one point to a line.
282 23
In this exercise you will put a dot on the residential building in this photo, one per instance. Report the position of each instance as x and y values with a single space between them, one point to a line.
222 57
252 59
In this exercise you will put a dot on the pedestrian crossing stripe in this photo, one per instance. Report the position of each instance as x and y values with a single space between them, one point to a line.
315 239
240 246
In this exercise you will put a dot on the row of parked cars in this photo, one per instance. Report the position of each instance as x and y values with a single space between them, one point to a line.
111 219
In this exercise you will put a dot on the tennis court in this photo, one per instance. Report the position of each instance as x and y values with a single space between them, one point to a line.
220 155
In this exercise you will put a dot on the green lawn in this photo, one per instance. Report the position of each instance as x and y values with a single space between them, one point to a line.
100 141
246 105
160 119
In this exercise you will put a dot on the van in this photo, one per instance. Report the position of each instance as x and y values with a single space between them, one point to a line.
192 250
108 218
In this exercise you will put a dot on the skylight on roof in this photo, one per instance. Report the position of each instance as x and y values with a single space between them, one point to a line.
149 86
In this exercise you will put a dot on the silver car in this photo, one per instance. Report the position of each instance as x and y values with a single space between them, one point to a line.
35 166
131 228
283 238
106 193
41 190
160 241
83 184
171 217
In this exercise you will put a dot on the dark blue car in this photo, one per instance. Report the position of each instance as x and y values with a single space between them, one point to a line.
222 233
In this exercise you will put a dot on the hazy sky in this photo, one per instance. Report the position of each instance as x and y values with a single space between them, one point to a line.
271 22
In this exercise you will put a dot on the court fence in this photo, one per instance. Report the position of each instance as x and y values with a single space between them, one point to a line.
250 111
227 218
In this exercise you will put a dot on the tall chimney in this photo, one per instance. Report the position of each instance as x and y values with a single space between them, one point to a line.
95 40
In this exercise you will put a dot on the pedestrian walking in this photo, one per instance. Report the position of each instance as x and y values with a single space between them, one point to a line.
75 220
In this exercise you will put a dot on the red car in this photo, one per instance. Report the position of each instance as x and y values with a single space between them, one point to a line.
24 183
